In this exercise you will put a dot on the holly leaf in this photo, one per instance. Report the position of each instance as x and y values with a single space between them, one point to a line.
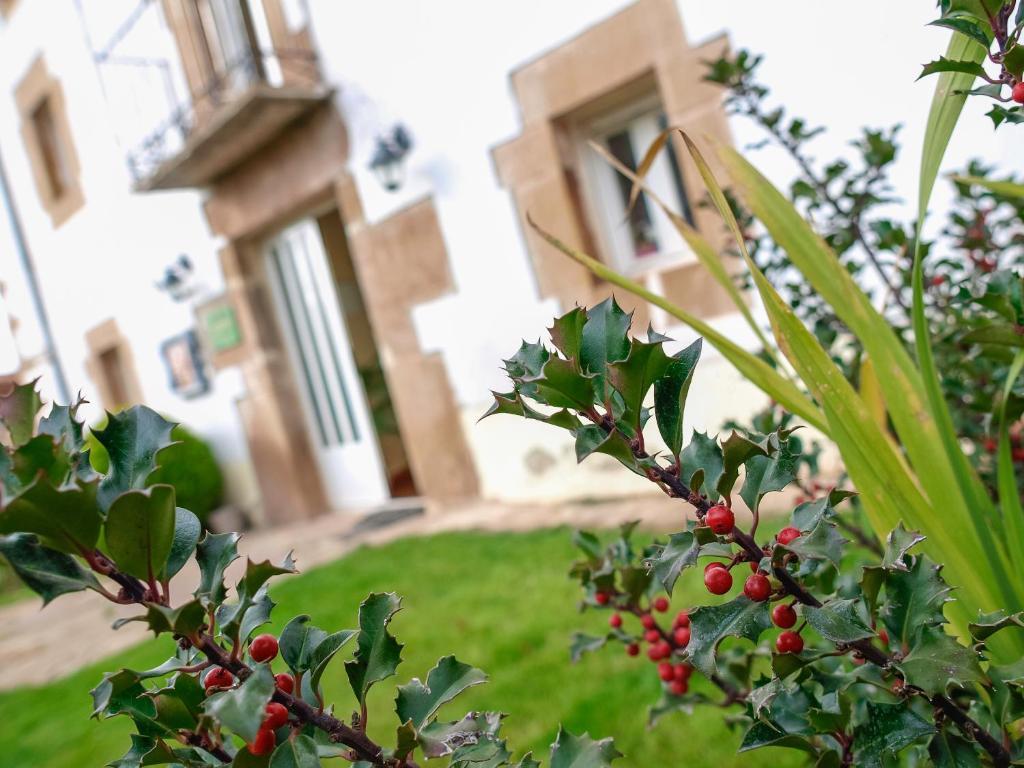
942 64
736 451
257 614
41 456
378 654
988 624
936 660
837 620
297 752
417 702
232 615
133 438
887 729
604 340
947 750
567 333
897 544
765 474
913 600
514 405
187 530
571 751
144 751
633 377
45 571
807 515
242 709
582 643
140 530
709 625
670 393
297 642
18 409
66 519
824 542
214 554
184 620
591 439
702 454
560 385
60 424
966 27
440 739
324 652
680 553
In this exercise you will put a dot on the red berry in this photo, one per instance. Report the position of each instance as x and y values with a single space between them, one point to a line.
264 742
937 280
661 604
263 648
883 636
218 677
683 619
718 581
682 636
648 621
285 682
654 653
277 715
757 587
678 687
897 685
632 649
1017 454
683 671
991 445
783 616
652 636
713 564
666 672
753 566
720 519
1017 94
602 598
787 534
664 650
789 642
615 620
858 659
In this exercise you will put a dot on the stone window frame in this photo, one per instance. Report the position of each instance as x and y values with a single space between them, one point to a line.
105 339
642 48
39 88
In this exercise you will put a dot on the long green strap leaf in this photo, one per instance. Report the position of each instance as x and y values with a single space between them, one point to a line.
1007 188
1009 496
762 375
900 380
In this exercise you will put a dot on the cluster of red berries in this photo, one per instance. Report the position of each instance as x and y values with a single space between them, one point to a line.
662 645
263 649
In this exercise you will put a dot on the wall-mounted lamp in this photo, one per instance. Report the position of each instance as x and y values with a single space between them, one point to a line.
388 161
177 279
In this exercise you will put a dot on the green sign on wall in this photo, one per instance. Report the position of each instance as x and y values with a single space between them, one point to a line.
221 328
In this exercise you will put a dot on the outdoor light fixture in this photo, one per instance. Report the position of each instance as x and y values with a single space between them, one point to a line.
388 161
177 279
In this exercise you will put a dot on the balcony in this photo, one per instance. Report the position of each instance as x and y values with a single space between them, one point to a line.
188 113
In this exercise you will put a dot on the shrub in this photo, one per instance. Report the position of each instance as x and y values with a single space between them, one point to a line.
189 465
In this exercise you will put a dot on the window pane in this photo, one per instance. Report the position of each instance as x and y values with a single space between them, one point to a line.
641 227
677 177
54 165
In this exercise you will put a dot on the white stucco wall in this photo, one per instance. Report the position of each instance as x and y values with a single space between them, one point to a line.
106 259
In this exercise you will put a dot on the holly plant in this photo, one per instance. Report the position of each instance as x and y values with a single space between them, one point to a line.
229 694
837 649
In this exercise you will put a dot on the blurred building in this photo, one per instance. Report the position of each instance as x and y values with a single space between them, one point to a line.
299 226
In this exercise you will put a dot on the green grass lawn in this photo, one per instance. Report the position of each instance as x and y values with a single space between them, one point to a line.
499 601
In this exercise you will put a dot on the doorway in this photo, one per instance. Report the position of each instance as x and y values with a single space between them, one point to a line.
348 408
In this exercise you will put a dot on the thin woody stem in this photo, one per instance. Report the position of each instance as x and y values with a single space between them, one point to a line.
754 553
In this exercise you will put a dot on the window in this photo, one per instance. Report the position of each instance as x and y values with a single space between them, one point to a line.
645 238
111 366
52 154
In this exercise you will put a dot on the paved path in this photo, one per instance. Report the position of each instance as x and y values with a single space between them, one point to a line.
34 645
